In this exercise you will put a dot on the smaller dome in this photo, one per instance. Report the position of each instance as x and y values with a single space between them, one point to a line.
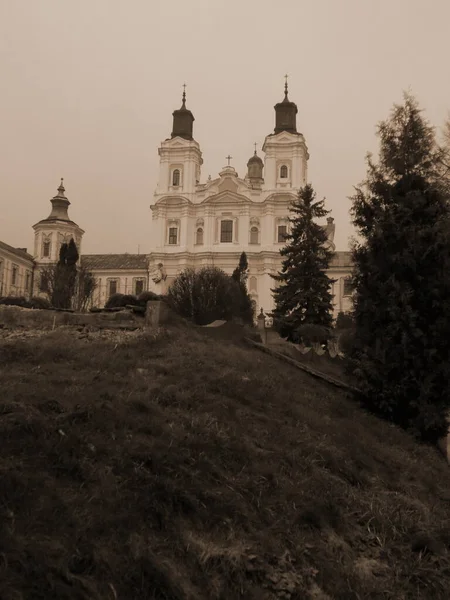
255 159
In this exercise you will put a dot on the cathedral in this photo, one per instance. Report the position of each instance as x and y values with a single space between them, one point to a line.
193 224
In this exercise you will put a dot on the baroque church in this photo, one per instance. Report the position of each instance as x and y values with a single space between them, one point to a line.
193 224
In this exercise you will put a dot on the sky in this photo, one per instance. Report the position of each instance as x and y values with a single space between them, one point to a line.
88 88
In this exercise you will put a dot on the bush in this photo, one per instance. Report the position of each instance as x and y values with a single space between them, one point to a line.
207 295
39 302
120 300
311 334
344 321
346 341
145 297
15 301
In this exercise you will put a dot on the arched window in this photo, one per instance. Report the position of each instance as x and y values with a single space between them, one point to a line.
283 172
46 249
176 178
254 235
199 236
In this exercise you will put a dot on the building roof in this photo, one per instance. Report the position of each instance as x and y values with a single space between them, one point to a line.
20 252
123 262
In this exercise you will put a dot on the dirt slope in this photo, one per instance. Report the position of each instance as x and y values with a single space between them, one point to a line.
181 466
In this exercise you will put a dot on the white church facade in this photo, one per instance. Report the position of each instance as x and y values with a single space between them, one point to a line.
196 224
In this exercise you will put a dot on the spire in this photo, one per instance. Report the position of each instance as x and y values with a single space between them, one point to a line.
60 204
61 188
183 120
285 113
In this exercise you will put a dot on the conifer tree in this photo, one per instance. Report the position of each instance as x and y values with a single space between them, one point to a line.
240 272
240 276
65 275
303 296
400 355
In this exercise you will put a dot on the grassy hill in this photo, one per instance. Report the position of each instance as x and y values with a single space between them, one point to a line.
177 465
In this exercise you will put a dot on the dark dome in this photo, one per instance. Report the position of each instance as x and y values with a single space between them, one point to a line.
255 159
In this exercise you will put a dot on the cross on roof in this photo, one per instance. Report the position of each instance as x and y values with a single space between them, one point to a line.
184 87
286 78
228 159
255 147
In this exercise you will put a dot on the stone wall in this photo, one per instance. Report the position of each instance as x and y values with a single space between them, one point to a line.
157 313
14 316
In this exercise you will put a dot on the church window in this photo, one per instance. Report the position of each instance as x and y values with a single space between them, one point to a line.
112 287
254 235
282 232
14 272
176 178
348 287
138 286
283 172
27 281
173 235
253 284
226 231
199 236
46 249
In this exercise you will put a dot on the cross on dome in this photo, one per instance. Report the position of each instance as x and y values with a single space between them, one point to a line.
228 159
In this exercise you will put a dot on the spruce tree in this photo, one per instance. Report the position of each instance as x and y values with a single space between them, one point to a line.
303 296
240 272
240 276
400 356
65 275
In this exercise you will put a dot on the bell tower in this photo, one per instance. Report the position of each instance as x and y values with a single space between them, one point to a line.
180 157
286 153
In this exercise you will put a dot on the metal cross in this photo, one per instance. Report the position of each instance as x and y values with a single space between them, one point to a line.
228 159
184 87
286 78
255 147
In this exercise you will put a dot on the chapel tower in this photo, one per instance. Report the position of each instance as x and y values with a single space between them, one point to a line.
286 153
56 229
180 157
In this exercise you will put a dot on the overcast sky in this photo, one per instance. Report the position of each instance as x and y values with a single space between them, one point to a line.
88 88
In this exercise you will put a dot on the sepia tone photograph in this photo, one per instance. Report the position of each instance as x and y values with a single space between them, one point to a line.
224 300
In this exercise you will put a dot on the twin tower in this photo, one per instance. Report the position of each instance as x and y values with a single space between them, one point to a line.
285 164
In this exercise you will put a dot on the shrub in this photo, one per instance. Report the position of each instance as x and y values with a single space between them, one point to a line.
15 301
206 295
344 321
145 297
346 341
119 300
311 334
39 302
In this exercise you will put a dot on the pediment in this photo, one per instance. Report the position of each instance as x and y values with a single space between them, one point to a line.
226 197
228 185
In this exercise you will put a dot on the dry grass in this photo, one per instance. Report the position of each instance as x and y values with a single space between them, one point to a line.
174 466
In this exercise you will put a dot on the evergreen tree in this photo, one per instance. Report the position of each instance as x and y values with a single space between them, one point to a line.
240 276
303 296
240 272
402 278
65 275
